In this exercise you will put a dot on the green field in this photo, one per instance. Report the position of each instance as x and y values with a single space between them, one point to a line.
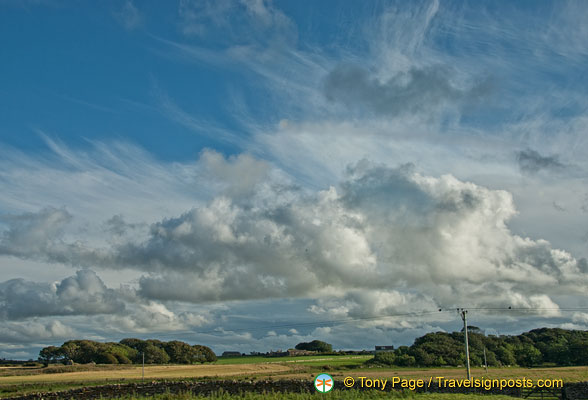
334 360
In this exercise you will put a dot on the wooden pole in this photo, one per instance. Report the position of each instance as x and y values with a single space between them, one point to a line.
467 347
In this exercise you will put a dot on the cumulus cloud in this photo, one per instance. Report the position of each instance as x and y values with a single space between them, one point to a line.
34 331
238 175
410 238
82 294
33 232
28 309
153 317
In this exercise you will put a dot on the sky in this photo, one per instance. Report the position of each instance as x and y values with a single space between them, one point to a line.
251 174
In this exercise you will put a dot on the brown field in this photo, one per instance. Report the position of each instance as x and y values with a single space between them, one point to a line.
151 372
287 370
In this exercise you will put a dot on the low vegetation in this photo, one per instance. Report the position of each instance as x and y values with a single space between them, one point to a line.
545 346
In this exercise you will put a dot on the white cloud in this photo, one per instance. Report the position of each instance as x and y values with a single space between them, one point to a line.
34 331
82 294
152 317
392 230
237 175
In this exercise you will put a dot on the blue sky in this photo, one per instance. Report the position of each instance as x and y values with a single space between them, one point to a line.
223 172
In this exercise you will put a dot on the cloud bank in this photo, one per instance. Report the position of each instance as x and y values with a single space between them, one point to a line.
401 234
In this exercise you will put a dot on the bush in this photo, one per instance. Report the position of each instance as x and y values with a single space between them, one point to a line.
405 361
384 358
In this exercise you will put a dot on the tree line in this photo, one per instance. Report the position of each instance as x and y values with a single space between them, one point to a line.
127 351
316 345
544 346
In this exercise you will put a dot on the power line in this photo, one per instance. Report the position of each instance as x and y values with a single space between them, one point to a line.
529 308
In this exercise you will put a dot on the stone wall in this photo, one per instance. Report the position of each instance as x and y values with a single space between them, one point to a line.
575 391
571 391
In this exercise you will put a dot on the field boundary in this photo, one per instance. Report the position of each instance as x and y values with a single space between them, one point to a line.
570 391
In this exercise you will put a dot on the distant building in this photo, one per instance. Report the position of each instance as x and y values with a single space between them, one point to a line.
380 349
231 354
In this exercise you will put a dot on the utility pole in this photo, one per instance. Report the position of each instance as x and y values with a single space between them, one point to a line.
485 361
143 369
463 313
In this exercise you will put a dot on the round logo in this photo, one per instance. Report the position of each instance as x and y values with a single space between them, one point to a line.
324 383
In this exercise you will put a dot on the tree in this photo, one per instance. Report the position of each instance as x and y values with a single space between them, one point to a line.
422 357
384 358
155 355
405 361
71 350
579 350
539 346
527 355
204 354
127 351
105 358
315 345
133 343
50 354
491 359
472 329
505 355
180 352
439 344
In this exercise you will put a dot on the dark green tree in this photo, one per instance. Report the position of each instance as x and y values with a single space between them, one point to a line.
204 354
155 355
315 345
51 354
